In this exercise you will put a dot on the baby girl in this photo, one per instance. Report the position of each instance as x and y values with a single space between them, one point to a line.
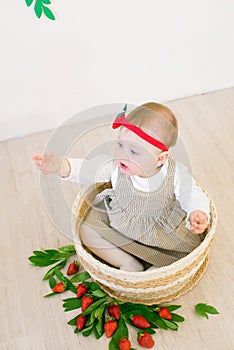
153 212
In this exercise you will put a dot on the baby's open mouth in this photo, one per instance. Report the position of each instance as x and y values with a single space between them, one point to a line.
122 165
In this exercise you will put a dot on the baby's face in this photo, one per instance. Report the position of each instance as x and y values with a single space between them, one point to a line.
134 155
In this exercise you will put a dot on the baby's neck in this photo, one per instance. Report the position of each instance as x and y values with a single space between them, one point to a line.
153 173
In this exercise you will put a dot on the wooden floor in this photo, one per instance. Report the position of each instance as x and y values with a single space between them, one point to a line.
29 321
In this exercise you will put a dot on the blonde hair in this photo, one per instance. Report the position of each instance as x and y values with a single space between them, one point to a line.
156 119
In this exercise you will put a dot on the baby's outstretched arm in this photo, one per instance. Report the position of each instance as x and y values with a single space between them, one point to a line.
198 222
50 163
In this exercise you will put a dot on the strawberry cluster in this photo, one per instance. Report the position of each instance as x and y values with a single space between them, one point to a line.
101 314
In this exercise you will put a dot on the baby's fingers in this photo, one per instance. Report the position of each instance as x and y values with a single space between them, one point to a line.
43 156
198 229
37 157
39 160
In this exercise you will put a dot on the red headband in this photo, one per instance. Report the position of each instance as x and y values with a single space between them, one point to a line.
121 120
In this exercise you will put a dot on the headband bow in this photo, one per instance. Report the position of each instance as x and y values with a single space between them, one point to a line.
121 120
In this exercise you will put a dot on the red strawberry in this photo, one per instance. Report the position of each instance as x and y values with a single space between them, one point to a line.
81 321
145 340
165 313
140 321
81 290
59 287
73 268
86 301
124 344
110 328
114 311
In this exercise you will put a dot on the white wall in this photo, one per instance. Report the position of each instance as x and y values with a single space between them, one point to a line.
104 51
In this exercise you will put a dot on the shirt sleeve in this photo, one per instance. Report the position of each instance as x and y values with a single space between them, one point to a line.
89 171
190 196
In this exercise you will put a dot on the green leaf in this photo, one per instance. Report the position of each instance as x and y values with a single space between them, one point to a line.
51 252
38 8
80 277
43 257
87 331
48 13
157 320
171 325
71 286
52 282
92 286
51 272
59 275
99 311
177 318
50 295
203 310
171 307
62 256
40 253
132 308
99 329
207 308
29 2
71 300
98 293
91 319
71 304
121 332
72 322
161 324
94 306
41 261
201 313
211 310
97 335
68 248
46 2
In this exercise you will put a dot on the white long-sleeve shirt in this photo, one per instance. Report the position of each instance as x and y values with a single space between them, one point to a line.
103 169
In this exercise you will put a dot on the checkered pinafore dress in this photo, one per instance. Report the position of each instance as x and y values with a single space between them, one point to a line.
149 225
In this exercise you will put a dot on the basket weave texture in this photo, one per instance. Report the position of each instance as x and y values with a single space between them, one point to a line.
148 287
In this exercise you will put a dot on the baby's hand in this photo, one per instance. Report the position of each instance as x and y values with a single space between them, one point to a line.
48 163
198 222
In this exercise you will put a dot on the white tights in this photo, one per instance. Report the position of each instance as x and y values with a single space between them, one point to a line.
107 251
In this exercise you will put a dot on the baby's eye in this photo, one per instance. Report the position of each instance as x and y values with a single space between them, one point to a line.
120 144
134 152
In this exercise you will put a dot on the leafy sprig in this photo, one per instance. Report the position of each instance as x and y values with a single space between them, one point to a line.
47 257
98 310
40 7
203 310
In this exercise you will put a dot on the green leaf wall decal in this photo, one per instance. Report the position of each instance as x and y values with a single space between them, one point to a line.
39 8
48 13
29 2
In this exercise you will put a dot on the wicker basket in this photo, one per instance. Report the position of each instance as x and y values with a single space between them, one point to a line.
149 287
